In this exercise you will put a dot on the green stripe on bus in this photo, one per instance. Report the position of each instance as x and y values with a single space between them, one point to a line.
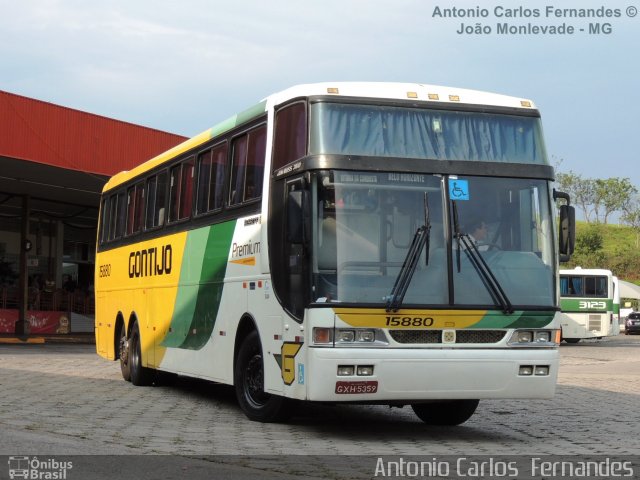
585 305
239 119
201 283
518 319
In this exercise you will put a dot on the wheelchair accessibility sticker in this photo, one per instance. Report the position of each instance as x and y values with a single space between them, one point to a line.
458 189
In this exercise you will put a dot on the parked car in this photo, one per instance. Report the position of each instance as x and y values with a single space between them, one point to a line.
632 325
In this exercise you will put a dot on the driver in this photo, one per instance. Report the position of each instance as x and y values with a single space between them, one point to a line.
478 234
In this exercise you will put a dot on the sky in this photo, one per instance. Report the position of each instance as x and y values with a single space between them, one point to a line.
183 66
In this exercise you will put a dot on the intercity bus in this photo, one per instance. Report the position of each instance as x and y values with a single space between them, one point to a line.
318 247
590 302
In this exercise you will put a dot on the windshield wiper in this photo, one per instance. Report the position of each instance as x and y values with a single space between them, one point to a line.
479 264
420 239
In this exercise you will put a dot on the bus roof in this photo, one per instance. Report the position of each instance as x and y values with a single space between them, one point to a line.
402 91
381 90
586 271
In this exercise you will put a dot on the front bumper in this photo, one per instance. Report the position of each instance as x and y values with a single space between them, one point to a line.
424 374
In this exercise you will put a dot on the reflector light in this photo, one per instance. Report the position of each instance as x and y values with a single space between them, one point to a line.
454 98
332 90
433 96
525 103
412 95
558 336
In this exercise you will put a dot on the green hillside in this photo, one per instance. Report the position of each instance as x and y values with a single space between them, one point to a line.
614 247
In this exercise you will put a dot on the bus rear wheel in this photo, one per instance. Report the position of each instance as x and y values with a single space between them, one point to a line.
140 376
448 412
257 404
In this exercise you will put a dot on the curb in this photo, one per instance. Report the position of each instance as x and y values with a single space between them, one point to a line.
42 339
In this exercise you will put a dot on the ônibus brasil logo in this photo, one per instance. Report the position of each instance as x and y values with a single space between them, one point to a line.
36 469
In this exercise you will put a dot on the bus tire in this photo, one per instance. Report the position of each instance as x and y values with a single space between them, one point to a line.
249 384
140 376
448 412
572 340
123 353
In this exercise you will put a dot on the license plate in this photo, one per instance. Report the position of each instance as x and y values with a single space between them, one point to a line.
347 388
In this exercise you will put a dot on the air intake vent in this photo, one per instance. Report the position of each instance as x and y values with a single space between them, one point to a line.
435 336
595 322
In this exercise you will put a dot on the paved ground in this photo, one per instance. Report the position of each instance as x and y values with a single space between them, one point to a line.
65 400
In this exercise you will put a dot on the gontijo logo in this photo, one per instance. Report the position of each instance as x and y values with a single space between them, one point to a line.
150 262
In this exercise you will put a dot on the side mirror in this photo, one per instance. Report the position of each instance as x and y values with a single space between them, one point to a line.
567 232
297 229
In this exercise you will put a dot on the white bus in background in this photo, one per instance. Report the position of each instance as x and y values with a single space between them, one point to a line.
590 302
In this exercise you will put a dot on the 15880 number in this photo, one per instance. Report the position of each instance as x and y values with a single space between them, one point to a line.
398 321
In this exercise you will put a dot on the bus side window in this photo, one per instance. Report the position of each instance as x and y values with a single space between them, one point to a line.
247 166
290 141
238 170
156 195
130 209
211 179
181 192
186 191
152 184
120 216
104 224
255 163
135 208
161 200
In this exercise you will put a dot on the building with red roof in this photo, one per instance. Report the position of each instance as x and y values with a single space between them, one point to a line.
54 161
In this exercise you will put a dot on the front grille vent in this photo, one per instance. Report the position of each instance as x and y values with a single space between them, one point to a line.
435 336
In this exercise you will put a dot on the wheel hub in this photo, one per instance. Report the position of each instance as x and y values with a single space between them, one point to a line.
124 350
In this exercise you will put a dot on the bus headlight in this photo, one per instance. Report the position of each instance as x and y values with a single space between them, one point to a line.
534 338
355 336
542 336
345 336
523 336
366 336
348 337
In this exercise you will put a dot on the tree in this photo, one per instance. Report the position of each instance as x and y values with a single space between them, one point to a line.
588 252
610 195
598 198
631 216
581 191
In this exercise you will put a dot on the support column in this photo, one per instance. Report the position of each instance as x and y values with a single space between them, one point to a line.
22 325
59 253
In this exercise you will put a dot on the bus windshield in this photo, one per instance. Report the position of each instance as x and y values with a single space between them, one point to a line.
402 132
366 221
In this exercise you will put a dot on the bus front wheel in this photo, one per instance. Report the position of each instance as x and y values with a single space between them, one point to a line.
140 376
257 404
449 412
